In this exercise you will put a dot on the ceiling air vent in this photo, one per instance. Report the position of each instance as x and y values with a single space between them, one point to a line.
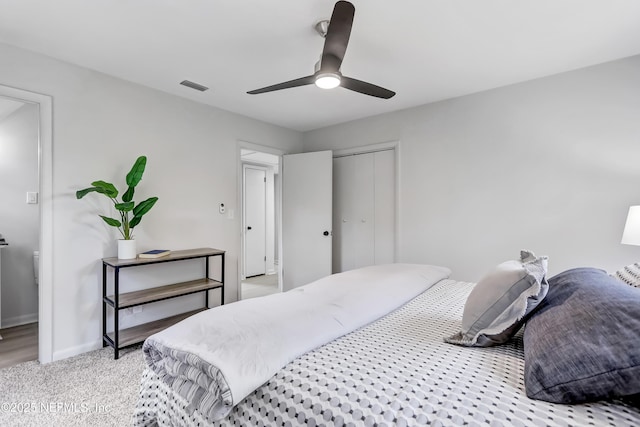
193 85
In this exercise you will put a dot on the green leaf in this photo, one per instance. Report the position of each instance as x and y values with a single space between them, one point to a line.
144 207
125 207
135 221
135 174
128 195
106 188
111 221
81 193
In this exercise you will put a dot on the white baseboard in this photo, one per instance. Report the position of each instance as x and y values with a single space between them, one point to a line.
19 320
74 351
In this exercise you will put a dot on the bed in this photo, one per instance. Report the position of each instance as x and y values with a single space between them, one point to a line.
393 371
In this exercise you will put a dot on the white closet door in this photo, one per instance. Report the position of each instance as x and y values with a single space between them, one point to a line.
385 206
353 212
364 210
363 207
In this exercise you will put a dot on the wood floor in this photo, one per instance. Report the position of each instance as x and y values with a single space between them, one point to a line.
18 344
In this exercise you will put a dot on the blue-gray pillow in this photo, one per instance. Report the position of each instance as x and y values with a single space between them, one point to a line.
583 342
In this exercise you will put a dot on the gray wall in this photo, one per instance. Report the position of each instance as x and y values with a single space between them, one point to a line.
19 221
549 165
101 124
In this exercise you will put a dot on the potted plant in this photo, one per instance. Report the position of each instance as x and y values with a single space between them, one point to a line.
126 207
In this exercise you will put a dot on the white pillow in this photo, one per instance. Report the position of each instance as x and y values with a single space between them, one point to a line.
497 306
629 275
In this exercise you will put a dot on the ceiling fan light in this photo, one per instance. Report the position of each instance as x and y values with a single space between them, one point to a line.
327 80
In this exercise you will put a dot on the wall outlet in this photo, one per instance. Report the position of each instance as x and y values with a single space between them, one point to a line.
134 310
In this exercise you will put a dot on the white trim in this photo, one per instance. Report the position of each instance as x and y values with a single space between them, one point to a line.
364 149
45 296
373 148
239 163
79 349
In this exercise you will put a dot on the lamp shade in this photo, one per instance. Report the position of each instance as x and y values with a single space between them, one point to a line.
631 234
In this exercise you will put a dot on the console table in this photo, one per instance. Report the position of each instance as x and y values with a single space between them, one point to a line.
119 339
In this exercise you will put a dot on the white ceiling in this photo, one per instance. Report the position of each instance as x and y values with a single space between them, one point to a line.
425 50
259 157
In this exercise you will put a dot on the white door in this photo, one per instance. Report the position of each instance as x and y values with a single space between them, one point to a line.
385 206
364 210
254 221
306 217
354 212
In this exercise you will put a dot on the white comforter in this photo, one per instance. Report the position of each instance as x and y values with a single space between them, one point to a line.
217 357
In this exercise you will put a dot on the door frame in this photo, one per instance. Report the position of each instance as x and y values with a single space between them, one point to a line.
45 168
239 202
372 148
246 166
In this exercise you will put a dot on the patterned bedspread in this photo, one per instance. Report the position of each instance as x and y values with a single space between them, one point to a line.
396 371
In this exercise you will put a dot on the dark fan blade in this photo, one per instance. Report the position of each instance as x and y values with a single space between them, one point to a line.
286 85
366 88
337 38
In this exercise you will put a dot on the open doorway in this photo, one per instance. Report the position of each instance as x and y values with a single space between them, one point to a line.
27 316
20 232
260 211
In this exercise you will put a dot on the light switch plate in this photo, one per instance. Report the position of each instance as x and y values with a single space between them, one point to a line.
32 197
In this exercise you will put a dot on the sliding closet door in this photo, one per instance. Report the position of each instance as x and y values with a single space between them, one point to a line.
342 193
354 212
364 210
385 206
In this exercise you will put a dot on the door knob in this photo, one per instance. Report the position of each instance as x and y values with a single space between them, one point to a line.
326 233
248 228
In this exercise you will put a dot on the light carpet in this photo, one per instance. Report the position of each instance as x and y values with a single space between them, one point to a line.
91 389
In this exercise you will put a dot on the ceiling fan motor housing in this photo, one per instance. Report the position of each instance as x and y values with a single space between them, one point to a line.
322 27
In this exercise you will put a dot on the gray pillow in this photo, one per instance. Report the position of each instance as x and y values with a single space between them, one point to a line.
583 343
499 303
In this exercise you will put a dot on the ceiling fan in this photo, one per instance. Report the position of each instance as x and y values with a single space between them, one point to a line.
327 71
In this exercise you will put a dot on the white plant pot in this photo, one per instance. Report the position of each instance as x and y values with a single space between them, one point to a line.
127 249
